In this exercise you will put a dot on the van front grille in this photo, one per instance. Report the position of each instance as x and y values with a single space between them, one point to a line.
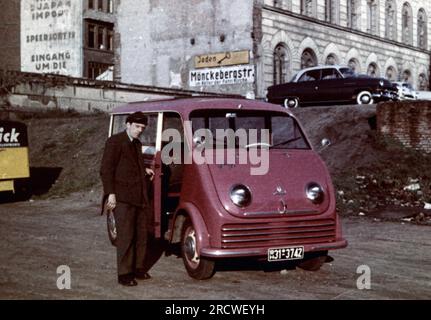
277 233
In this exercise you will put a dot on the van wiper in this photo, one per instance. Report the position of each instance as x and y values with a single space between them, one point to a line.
285 142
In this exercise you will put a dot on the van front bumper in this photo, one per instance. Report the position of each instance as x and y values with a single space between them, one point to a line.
259 252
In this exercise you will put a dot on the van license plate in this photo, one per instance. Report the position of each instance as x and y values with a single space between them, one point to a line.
289 253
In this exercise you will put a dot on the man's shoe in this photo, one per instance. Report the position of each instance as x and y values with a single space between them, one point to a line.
127 280
128 283
142 276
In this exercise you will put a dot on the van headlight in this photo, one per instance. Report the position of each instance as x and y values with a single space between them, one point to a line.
240 195
314 192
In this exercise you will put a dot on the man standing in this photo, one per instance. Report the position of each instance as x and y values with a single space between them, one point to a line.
125 186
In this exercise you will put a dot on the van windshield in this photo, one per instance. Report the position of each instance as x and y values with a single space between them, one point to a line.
244 128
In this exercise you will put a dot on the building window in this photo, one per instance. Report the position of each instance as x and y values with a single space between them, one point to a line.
91 41
110 6
372 16
422 82
283 4
407 24
100 36
100 71
353 64
110 41
101 5
391 74
373 70
422 29
281 64
391 20
352 13
308 7
331 59
331 11
308 59
407 76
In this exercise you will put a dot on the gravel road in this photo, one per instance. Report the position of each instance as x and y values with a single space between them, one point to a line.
39 236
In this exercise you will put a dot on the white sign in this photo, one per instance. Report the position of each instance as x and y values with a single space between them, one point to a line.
221 76
51 36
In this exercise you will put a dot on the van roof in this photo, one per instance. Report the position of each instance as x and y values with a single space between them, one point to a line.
186 105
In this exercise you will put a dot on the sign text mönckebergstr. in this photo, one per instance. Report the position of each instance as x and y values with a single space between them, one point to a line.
220 76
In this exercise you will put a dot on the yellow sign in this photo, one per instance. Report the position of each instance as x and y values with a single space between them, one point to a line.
222 59
14 163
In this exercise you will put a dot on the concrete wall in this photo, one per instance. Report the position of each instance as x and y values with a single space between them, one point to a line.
50 91
407 122
160 39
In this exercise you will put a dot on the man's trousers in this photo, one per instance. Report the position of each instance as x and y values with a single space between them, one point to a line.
132 237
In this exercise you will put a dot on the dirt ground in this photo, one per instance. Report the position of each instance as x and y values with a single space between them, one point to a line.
37 237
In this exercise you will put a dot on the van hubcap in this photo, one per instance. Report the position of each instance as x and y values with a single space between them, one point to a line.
190 247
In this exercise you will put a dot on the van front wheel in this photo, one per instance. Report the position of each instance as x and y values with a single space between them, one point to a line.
197 267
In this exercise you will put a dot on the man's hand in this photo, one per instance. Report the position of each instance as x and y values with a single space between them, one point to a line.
150 173
112 202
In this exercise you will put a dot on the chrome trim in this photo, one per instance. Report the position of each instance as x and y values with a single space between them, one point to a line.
325 224
228 253
277 213
279 191
330 233
159 131
262 251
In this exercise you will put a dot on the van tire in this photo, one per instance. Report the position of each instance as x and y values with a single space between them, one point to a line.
314 261
197 267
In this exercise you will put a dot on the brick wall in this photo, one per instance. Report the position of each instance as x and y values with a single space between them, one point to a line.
407 122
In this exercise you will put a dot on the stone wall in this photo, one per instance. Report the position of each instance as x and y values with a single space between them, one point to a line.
35 91
407 122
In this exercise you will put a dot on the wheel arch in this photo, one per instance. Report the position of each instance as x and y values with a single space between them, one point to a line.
190 211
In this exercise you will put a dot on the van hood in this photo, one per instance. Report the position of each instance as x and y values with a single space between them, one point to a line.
279 192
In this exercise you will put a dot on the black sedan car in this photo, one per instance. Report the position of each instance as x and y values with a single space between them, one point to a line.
331 85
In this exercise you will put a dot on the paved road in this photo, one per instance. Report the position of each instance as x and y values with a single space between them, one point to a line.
37 237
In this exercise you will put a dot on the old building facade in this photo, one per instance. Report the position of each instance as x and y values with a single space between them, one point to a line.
225 46
67 37
162 42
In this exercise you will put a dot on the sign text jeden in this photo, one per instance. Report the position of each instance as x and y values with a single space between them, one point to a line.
220 76
222 59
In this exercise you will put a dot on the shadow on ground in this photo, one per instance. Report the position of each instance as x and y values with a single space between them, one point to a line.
40 182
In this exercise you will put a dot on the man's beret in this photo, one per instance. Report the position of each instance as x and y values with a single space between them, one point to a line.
137 117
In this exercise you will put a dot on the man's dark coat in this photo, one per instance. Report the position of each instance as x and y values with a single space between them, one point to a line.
123 171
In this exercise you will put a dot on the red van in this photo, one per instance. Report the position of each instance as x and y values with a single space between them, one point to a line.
235 178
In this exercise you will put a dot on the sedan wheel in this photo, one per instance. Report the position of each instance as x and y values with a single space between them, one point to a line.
291 103
364 97
197 267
